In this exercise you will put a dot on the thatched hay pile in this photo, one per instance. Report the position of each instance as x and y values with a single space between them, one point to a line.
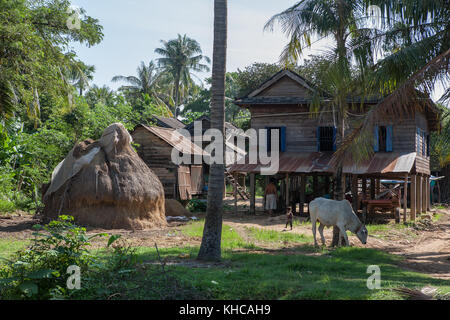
176 209
105 184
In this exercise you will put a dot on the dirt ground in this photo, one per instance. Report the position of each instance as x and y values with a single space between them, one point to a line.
425 248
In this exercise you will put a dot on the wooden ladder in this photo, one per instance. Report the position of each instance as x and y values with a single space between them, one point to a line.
240 190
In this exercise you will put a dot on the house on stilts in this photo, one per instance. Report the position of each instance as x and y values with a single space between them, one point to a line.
308 141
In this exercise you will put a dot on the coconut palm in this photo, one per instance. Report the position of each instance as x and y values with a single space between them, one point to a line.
212 232
80 74
417 36
98 94
147 82
180 57
309 21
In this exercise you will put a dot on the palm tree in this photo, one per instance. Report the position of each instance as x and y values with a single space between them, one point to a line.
179 58
311 20
147 82
80 74
98 94
417 35
212 232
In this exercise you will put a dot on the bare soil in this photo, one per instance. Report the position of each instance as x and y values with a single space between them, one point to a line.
425 248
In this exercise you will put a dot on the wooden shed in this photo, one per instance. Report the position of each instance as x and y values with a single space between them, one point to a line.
180 182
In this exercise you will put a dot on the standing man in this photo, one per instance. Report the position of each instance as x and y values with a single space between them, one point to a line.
271 196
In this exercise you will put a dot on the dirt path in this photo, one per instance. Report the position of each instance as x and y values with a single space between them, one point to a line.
426 250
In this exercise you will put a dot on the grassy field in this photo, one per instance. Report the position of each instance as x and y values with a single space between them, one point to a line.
9 246
250 272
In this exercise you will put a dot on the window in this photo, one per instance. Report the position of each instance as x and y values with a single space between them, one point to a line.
326 139
282 138
383 138
423 142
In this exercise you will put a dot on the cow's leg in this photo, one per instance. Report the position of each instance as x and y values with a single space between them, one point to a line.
314 231
321 226
343 234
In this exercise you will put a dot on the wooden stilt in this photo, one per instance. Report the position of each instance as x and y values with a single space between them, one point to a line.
413 197
302 193
428 194
315 186
372 188
419 196
364 187
266 182
355 193
405 197
252 193
424 194
235 193
287 190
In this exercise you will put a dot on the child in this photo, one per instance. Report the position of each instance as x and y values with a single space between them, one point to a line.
289 217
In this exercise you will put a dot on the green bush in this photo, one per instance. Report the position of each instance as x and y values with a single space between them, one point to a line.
196 205
40 271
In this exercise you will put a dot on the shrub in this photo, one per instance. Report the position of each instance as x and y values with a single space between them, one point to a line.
196 205
40 271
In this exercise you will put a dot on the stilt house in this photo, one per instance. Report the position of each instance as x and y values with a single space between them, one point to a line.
308 140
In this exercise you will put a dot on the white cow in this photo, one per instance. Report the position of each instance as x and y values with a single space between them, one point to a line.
336 213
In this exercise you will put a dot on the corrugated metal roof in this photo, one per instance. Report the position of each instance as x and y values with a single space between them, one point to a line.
169 122
177 141
308 162
383 162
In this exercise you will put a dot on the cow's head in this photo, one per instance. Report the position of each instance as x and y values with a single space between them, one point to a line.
362 234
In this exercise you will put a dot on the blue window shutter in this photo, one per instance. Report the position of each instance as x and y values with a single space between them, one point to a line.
428 145
389 138
418 141
283 139
334 138
318 138
376 145
268 144
424 152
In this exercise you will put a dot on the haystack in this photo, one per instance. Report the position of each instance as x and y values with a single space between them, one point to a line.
175 209
105 184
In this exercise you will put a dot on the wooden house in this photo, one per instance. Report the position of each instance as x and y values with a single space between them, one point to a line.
308 140
155 148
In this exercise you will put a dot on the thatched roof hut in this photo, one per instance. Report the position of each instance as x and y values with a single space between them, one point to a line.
105 184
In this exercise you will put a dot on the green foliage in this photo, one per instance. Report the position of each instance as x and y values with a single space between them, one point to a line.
39 271
33 50
196 205
254 75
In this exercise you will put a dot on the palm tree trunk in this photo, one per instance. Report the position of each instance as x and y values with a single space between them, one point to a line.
342 60
212 232
177 93
339 182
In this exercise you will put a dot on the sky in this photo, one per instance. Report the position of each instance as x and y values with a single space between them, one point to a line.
133 29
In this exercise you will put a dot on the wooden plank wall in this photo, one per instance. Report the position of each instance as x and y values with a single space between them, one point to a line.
422 161
301 129
156 153
286 87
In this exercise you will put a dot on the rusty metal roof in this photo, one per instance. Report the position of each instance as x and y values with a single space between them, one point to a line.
383 162
308 162
176 140
168 122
